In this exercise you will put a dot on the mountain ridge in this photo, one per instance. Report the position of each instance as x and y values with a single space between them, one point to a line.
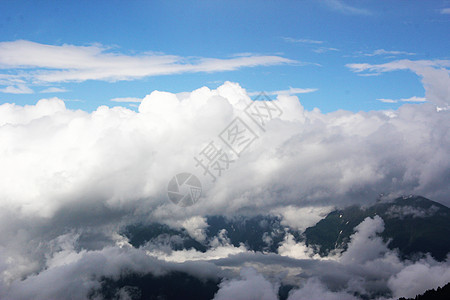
413 224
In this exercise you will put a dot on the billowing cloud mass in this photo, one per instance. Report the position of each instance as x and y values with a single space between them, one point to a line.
71 179
251 285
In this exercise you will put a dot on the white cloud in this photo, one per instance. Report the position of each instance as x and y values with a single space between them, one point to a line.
250 285
445 11
404 64
304 41
412 99
48 63
290 91
434 73
103 142
325 49
147 144
66 173
344 8
126 99
387 100
18 89
295 250
312 43
419 277
77 273
367 268
310 216
180 256
365 245
315 289
54 90
196 226
387 52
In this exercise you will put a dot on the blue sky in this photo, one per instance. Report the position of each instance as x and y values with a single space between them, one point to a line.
127 49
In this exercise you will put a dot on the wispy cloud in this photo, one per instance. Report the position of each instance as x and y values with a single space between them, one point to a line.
304 41
344 8
434 74
445 11
412 99
403 64
325 49
387 100
18 89
290 91
311 43
40 63
54 90
127 99
386 52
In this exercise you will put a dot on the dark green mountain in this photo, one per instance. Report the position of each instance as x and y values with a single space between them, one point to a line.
139 234
413 225
259 233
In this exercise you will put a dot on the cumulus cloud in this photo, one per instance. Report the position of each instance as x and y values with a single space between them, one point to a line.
123 159
296 250
250 285
418 277
365 245
71 179
196 226
301 141
368 267
310 215
315 289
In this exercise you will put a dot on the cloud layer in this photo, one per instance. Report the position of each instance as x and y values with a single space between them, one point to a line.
68 175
